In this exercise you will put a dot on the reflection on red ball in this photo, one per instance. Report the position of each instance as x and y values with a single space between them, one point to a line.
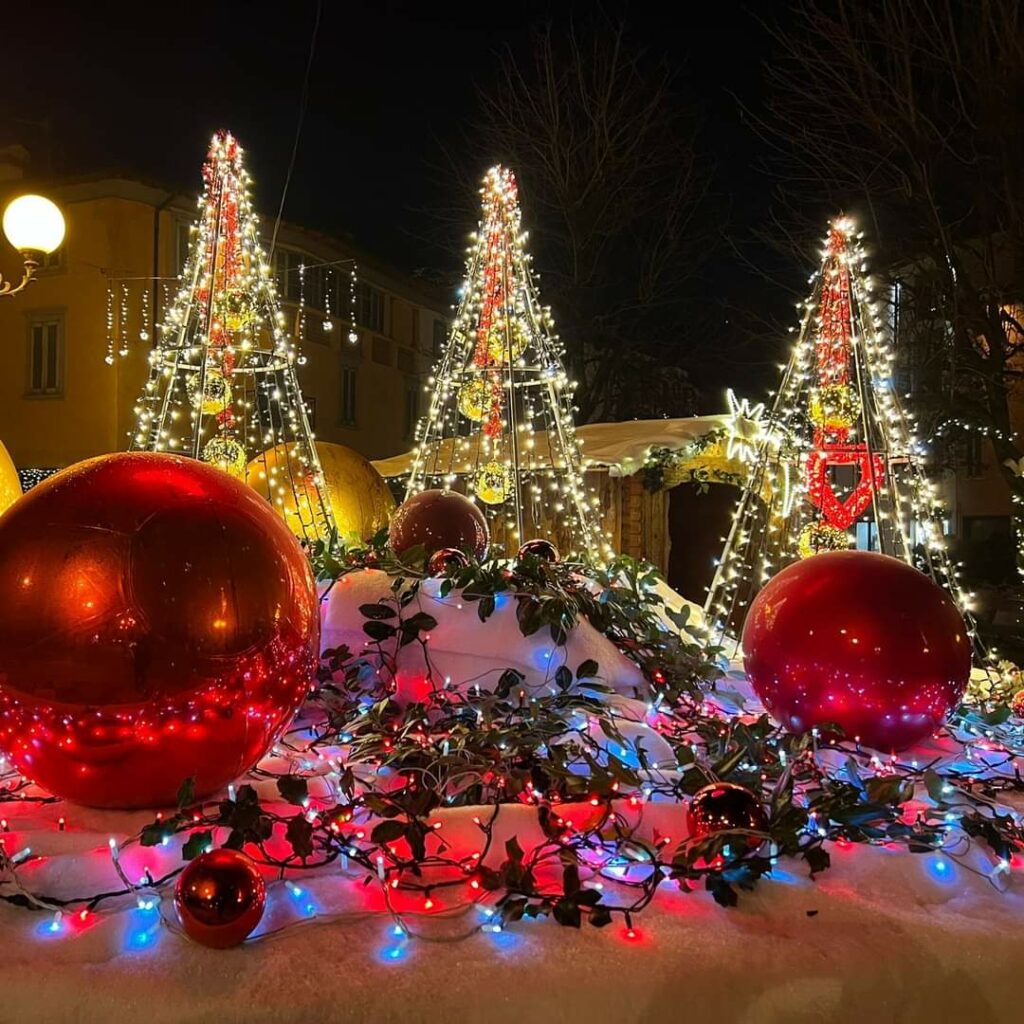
859 640
439 519
220 898
541 549
157 621
446 562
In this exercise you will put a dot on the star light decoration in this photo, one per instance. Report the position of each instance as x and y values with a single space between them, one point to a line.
500 417
223 385
742 442
808 440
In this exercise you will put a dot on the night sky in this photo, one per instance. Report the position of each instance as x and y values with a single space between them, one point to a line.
140 88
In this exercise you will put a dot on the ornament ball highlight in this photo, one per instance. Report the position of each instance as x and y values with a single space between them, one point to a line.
859 640
158 621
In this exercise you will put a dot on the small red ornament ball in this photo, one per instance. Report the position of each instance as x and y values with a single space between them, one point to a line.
859 640
439 519
446 562
220 898
724 807
158 621
542 549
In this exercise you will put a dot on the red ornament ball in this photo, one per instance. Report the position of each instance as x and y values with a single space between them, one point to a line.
220 898
158 621
724 807
446 562
542 549
859 640
439 519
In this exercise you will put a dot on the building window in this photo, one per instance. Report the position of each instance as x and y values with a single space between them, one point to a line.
369 307
974 453
347 414
412 407
415 313
45 354
316 287
286 273
380 351
440 334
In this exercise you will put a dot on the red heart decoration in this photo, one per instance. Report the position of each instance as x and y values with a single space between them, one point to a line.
843 514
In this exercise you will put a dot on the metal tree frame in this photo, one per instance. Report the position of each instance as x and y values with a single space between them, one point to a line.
523 463
258 407
775 508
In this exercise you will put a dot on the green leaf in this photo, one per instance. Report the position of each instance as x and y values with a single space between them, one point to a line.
563 678
294 789
387 832
724 894
377 611
513 850
196 844
817 858
600 916
587 670
299 834
420 622
379 631
567 913
187 792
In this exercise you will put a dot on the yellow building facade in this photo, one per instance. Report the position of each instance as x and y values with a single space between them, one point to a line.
60 401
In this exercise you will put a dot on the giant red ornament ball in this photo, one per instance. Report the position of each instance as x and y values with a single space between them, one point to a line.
859 640
220 898
158 621
439 519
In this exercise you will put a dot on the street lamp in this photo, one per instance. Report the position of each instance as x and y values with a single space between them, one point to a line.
35 227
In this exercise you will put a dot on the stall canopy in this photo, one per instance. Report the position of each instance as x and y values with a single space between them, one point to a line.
619 447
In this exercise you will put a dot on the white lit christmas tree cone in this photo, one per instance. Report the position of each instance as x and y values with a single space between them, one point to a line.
223 385
836 417
499 426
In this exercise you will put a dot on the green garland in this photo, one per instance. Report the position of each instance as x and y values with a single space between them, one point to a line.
495 746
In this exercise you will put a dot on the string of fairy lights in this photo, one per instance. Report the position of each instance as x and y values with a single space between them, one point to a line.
500 415
223 385
878 436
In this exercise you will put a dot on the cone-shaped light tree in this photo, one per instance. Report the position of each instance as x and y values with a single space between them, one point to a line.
500 419
839 462
223 385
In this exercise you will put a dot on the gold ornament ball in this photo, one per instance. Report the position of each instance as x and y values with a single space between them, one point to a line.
834 406
237 311
357 495
822 537
10 482
215 393
493 483
475 399
225 453
506 340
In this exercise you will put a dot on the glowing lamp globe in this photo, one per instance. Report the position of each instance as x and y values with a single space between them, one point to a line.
158 622
34 224
857 640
